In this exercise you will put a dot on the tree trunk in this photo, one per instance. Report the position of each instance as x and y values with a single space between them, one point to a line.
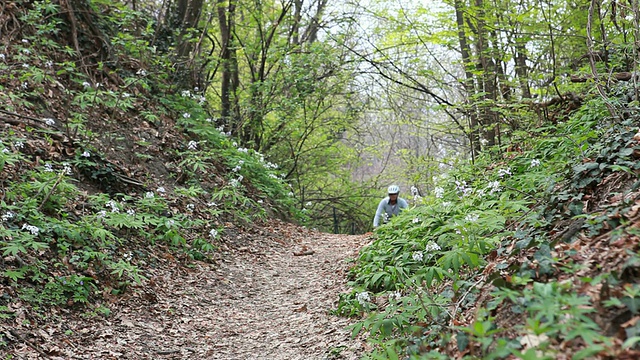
229 111
474 133
189 12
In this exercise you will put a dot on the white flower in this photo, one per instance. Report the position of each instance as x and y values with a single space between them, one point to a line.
49 121
494 187
49 64
240 162
25 41
234 182
240 177
396 295
414 191
141 72
67 169
85 154
193 145
290 193
463 189
149 195
208 120
127 256
32 229
2 57
126 95
131 212
363 297
472 217
535 162
6 151
431 246
244 150
169 223
101 214
504 172
161 189
220 128
213 233
86 85
212 204
185 93
446 203
417 256
416 220
48 168
190 207
484 141
113 205
186 115
25 66
25 85
260 201
237 168
8 215
26 51
309 203
439 192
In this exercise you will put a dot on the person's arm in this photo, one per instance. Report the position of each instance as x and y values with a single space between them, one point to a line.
376 219
402 203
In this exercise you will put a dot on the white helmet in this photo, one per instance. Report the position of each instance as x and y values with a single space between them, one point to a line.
393 189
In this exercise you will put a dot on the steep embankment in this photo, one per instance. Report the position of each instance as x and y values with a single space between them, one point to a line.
264 300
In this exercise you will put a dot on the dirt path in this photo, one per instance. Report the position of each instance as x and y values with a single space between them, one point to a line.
258 302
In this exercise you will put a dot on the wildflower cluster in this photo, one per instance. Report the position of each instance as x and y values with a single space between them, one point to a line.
504 172
113 205
221 129
363 297
432 246
8 216
462 188
415 193
193 95
472 217
417 256
34 230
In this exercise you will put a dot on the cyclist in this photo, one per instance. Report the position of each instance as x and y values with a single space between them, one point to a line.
389 206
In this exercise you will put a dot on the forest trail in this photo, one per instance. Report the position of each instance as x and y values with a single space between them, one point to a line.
258 301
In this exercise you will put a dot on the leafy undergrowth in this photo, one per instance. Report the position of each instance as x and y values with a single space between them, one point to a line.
531 253
103 172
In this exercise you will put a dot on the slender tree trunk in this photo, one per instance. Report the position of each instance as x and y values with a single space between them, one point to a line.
474 133
229 111
522 70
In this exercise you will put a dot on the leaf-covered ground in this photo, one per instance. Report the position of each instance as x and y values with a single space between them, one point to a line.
271 299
